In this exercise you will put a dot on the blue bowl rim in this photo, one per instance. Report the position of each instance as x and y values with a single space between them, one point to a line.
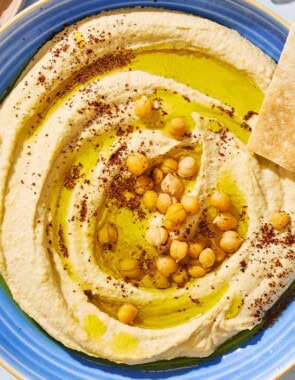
25 12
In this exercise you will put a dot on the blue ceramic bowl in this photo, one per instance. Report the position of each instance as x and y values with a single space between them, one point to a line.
25 349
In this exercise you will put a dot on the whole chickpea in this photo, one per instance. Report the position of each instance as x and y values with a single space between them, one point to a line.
279 220
225 221
196 271
127 313
137 163
129 268
180 277
160 281
163 202
220 200
177 127
144 108
178 250
166 265
187 167
158 176
230 241
149 200
169 165
157 236
171 226
207 258
191 204
172 185
143 183
176 213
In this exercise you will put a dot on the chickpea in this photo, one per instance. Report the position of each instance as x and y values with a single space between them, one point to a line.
177 127
230 241
149 200
137 163
172 185
129 268
187 167
169 165
144 108
157 236
225 221
166 265
279 220
180 276
142 184
160 281
157 176
178 250
171 226
220 200
176 213
127 313
220 254
108 234
191 204
163 202
147 281
207 258
195 248
196 271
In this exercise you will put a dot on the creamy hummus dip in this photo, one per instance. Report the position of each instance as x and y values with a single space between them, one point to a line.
135 224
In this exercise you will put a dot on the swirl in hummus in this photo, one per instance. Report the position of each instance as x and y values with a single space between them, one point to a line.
81 242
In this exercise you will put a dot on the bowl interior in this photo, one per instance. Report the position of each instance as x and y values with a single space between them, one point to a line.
26 347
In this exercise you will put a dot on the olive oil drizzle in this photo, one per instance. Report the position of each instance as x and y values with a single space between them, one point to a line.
209 76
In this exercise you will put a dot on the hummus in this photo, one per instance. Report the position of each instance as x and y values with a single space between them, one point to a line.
70 211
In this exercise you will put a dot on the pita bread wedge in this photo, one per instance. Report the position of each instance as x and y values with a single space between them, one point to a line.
274 133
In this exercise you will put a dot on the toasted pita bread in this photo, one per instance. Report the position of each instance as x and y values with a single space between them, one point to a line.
274 133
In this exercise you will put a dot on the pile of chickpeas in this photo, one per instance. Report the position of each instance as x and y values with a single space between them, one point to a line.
162 191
